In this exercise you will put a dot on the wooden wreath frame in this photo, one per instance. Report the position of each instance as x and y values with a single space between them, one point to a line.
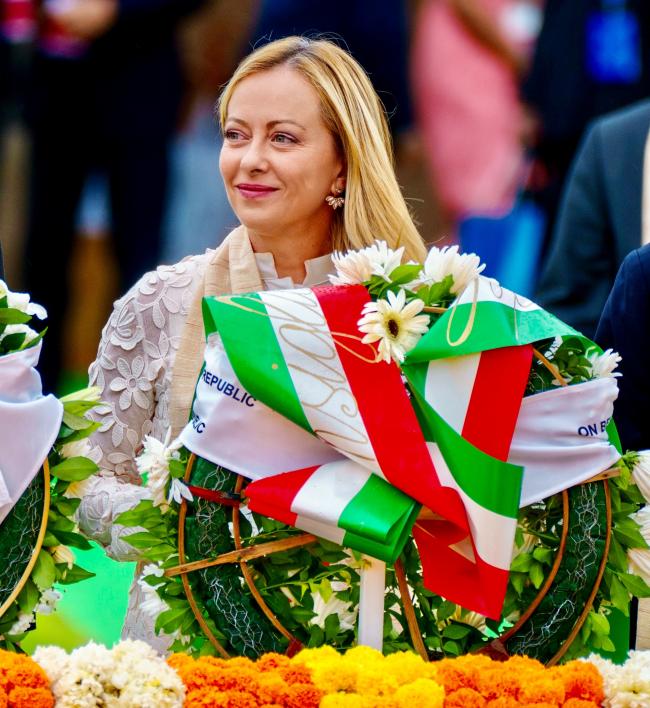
242 555
37 546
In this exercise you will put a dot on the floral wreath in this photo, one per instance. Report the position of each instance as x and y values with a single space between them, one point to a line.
222 579
37 533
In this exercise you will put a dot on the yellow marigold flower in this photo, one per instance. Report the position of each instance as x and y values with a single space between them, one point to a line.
334 674
342 700
423 693
374 681
364 655
407 667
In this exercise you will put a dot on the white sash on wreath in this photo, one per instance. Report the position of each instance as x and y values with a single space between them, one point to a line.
29 425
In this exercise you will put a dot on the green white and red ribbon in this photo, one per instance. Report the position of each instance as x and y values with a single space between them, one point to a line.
336 446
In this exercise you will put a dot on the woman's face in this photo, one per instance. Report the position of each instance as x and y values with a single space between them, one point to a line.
278 160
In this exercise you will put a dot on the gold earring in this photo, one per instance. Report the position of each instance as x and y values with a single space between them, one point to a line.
335 202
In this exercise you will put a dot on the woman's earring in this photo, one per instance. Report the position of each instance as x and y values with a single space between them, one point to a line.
335 202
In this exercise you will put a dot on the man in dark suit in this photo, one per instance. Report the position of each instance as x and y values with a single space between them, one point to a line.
625 327
105 95
599 221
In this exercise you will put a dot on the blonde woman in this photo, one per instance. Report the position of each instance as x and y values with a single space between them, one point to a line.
307 165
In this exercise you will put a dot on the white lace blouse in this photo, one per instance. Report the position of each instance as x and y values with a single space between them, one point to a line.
133 371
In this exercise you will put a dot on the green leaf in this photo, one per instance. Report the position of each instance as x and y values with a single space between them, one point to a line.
620 597
522 563
599 623
169 620
79 408
617 555
74 469
456 631
536 574
67 507
10 315
13 342
76 540
543 555
29 597
75 575
44 572
636 585
446 610
76 422
316 637
176 469
452 648
332 626
405 273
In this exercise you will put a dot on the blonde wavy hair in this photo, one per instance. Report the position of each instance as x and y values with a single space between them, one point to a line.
352 111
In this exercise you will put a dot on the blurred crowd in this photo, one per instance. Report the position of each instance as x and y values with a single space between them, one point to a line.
520 130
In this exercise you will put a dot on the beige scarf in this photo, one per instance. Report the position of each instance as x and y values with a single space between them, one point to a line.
231 269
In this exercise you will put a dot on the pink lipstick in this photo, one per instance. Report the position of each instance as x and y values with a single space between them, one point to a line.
255 191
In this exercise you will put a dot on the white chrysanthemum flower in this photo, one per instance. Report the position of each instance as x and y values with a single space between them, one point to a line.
641 474
639 558
22 624
393 323
603 365
21 301
62 554
383 259
352 268
152 569
154 462
441 262
347 614
48 601
626 686
53 660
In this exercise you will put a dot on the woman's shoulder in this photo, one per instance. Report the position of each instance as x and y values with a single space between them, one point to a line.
179 278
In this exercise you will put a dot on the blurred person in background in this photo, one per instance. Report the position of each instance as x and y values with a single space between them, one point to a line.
592 57
467 58
604 214
105 91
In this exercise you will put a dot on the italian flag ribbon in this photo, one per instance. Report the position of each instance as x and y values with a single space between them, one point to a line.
335 445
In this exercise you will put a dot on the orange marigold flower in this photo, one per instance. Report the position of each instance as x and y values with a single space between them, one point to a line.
541 689
453 675
523 664
4 701
541 704
581 679
180 662
272 661
504 702
580 703
303 695
241 699
295 673
27 697
271 688
27 674
206 698
465 698
497 681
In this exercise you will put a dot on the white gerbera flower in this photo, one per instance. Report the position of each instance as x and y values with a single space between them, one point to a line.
395 324
178 491
603 365
154 462
352 268
383 259
641 474
441 262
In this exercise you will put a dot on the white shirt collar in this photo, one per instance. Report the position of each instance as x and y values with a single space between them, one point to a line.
317 270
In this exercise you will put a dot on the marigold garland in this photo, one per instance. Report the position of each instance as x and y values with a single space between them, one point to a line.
23 683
